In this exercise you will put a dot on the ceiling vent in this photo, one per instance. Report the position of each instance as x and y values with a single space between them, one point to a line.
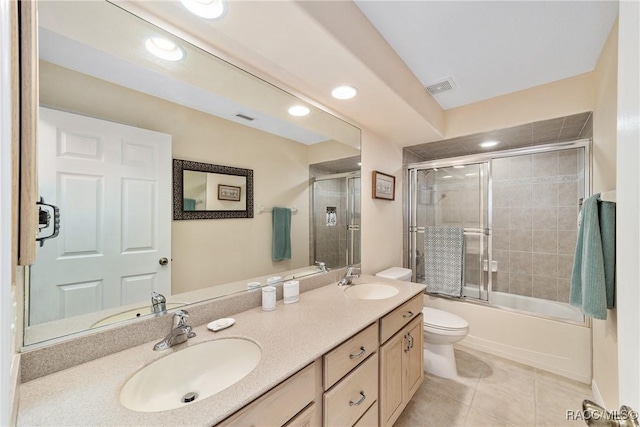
441 86
242 116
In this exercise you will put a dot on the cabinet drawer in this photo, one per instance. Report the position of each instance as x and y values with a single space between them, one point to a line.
304 418
392 322
370 418
345 403
280 404
342 359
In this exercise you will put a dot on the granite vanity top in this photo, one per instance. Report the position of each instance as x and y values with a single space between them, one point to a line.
290 338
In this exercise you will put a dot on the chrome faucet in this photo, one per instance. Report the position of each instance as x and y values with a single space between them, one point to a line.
595 415
180 332
348 275
158 303
322 266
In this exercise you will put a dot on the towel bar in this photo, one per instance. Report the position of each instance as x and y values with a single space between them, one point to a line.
262 209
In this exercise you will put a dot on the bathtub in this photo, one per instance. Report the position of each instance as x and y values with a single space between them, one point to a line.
529 305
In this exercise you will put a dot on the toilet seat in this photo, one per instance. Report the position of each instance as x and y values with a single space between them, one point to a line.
439 320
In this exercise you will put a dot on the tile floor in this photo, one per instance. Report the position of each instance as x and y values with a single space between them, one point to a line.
492 391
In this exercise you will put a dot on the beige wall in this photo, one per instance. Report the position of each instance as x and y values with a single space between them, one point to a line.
330 150
561 98
381 219
206 252
605 341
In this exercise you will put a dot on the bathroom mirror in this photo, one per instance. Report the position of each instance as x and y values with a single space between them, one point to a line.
112 118
206 191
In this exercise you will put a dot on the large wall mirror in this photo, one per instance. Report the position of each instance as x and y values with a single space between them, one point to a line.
113 117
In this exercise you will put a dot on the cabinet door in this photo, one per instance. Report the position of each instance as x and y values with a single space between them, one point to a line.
413 362
391 379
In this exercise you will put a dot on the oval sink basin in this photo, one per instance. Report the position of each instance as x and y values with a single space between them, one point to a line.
132 314
371 291
190 375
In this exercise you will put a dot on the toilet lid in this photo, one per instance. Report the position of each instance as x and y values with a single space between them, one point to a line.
443 319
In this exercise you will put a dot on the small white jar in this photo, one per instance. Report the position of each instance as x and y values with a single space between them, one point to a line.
291 291
268 298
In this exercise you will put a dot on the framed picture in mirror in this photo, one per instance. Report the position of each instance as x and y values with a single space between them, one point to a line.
208 191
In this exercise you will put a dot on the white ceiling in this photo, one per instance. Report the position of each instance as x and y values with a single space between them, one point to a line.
492 48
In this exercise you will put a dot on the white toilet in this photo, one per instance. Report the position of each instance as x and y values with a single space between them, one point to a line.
441 330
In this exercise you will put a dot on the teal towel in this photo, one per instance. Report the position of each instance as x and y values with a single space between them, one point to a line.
594 266
281 218
189 205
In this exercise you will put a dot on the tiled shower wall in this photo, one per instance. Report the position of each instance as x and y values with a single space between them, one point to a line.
535 209
330 241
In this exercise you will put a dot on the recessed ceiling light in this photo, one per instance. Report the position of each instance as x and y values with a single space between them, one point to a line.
359 163
209 9
458 167
344 92
470 174
447 177
164 49
299 110
488 144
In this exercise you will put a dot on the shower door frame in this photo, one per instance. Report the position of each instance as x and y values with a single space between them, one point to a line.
411 194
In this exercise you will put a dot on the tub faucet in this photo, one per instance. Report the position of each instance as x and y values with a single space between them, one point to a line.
180 332
348 275
158 303
595 415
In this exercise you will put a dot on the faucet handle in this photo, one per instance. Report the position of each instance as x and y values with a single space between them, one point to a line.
321 265
351 269
180 317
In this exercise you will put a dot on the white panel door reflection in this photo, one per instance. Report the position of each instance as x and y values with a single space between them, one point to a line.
112 183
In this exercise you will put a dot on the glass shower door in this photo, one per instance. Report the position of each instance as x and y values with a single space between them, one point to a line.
453 196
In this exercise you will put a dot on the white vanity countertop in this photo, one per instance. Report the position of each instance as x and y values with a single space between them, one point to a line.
290 338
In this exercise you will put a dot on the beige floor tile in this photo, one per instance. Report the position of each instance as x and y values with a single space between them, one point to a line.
460 389
548 378
432 410
553 402
476 418
514 408
510 377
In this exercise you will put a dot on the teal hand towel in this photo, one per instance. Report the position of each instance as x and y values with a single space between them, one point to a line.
281 218
593 275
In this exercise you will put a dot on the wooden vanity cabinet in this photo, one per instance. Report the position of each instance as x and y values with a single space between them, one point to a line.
351 379
401 361
290 403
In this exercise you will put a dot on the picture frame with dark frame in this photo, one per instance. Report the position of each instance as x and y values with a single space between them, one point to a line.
229 192
383 186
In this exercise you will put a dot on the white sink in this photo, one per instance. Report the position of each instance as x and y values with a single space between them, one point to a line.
204 369
371 291
132 314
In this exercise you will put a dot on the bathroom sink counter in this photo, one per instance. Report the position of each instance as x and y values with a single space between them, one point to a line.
290 338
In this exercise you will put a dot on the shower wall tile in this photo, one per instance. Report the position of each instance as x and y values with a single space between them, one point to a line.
500 281
521 167
568 218
520 284
567 242
501 240
545 265
520 196
520 240
501 217
520 263
567 162
501 197
545 241
545 218
567 194
565 266
545 164
545 195
564 286
500 169
521 218
545 287
502 258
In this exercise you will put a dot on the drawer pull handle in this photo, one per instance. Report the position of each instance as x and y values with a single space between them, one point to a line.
359 355
410 341
359 402
408 314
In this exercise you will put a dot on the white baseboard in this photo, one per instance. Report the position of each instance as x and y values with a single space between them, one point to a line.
596 393
524 356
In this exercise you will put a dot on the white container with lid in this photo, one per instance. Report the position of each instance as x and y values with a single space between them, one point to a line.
291 290
268 298
396 273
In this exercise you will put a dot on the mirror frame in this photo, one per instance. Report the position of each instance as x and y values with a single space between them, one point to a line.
179 166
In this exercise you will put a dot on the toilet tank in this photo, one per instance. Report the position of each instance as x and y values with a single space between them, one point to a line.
396 273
